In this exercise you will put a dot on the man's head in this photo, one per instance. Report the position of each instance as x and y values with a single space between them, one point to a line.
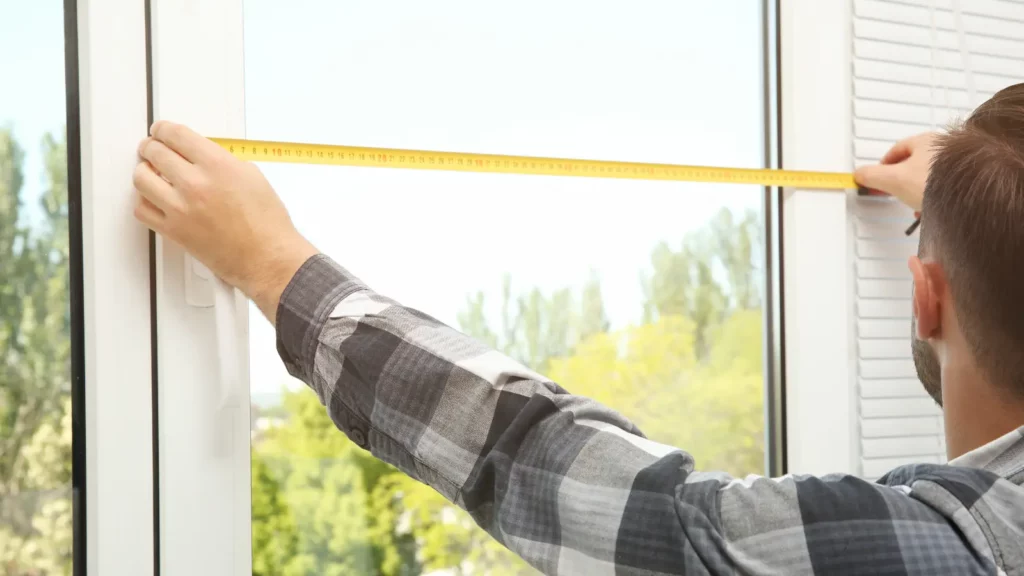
969 276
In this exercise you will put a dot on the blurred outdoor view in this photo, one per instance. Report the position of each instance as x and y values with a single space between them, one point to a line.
643 295
35 373
35 403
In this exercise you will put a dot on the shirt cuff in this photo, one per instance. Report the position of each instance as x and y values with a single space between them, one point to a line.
307 301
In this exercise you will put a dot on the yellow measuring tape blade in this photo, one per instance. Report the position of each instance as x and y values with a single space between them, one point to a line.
267 151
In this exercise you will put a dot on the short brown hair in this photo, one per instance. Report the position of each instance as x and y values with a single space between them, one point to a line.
973 224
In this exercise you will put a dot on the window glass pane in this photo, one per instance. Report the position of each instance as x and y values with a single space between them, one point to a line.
644 295
35 401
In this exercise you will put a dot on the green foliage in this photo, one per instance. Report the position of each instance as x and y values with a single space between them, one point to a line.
690 375
686 282
325 484
651 374
275 538
536 327
322 505
35 412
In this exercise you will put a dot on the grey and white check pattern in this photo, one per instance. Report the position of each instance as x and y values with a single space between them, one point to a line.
575 488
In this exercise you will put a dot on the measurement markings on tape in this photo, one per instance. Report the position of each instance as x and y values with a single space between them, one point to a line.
267 151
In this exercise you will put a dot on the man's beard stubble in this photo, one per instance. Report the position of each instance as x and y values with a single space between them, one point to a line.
927 365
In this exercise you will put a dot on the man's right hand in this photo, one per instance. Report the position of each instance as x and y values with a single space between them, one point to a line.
903 171
221 210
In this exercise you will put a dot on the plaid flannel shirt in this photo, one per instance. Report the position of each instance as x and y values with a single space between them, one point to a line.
575 488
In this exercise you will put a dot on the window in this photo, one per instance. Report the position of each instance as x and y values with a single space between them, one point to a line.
579 278
37 480
648 296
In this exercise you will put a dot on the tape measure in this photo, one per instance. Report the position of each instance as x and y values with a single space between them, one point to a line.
267 151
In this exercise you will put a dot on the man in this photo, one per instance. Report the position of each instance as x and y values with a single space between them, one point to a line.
572 486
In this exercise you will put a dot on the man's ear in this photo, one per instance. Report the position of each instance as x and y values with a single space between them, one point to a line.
927 286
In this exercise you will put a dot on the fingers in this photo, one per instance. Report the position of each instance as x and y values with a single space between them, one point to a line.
155 189
166 161
886 174
908 147
903 170
879 177
899 180
185 142
899 152
147 213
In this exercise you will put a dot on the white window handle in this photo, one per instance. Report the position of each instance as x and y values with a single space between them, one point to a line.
226 327
214 292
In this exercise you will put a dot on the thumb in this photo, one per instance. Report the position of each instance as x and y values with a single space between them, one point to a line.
881 177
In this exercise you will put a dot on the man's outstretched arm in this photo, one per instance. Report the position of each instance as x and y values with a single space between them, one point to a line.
563 481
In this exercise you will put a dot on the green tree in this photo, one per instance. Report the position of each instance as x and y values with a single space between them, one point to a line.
738 246
592 317
35 426
682 283
351 513
714 272
728 400
447 539
275 538
536 327
651 374
327 484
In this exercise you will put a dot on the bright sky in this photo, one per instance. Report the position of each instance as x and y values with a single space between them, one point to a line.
32 82
664 81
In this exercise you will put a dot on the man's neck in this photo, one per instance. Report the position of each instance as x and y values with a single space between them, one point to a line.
976 412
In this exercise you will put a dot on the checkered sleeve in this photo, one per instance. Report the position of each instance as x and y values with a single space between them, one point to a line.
568 484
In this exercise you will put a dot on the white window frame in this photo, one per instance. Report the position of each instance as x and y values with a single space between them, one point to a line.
204 468
116 288
815 61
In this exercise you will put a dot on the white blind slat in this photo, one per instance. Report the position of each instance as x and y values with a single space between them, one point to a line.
922 76
998 9
873 468
884 308
900 446
883 288
921 35
871 228
974 23
883 348
898 407
897 249
882 268
895 388
902 427
882 328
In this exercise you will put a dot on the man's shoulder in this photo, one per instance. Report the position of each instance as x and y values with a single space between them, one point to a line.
986 507
966 482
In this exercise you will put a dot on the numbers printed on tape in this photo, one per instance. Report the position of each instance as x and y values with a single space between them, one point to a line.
266 151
